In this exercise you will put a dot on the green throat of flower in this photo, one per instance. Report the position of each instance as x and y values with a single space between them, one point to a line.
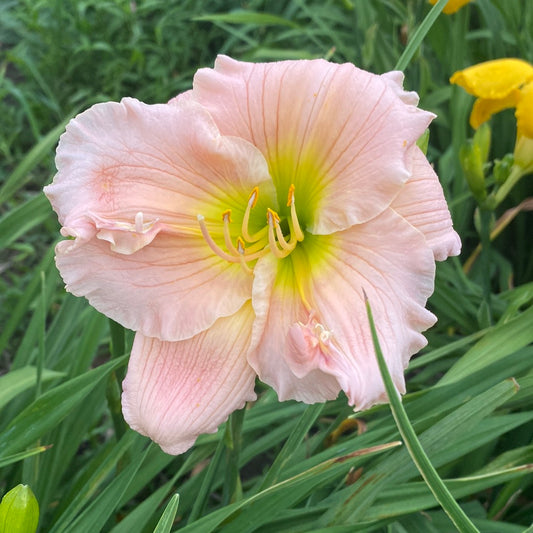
269 239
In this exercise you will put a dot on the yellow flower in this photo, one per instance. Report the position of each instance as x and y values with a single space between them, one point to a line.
499 85
452 6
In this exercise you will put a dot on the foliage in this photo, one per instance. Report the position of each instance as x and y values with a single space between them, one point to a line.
273 467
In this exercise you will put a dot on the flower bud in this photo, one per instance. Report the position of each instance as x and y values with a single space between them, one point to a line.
471 159
19 511
482 138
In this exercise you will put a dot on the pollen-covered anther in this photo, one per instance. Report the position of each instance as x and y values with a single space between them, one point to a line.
226 217
252 200
294 224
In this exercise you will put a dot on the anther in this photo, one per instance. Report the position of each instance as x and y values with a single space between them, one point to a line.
290 195
252 200
273 220
226 217
293 222
254 195
240 246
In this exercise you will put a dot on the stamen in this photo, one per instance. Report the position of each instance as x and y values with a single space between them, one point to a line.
254 195
226 217
289 246
295 225
213 245
241 251
252 200
271 217
139 222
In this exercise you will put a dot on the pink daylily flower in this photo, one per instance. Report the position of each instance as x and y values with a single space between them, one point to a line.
235 228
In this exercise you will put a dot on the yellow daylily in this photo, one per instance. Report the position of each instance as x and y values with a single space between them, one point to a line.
452 6
502 84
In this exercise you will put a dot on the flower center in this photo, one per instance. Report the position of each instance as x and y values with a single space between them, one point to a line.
271 238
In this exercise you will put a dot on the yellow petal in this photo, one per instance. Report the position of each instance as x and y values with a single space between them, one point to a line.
452 6
494 79
524 112
484 108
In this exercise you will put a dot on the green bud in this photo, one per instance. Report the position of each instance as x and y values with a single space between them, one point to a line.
423 141
471 160
482 140
502 168
19 511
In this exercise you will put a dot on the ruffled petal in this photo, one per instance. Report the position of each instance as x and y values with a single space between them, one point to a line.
421 202
341 135
172 289
278 306
313 319
175 391
484 108
167 162
494 79
524 112
132 179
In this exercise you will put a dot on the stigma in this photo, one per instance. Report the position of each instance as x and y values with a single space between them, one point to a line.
248 246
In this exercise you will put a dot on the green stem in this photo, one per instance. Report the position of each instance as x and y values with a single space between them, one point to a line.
515 174
419 457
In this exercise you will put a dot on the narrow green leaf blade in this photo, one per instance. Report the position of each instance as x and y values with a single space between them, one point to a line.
167 519
22 379
48 410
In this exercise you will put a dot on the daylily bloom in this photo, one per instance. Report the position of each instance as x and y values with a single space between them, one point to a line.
236 227
452 6
502 84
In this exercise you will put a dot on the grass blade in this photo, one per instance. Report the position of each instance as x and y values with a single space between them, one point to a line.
421 460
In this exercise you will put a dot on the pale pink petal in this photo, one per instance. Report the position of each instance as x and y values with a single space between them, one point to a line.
172 289
421 202
175 391
341 135
387 258
278 306
395 80
168 162
131 180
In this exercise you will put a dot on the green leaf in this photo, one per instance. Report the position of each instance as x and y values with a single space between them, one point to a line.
99 510
167 519
405 498
18 381
263 505
49 409
293 442
248 17
21 174
21 456
415 449
19 221
500 341
92 481
419 35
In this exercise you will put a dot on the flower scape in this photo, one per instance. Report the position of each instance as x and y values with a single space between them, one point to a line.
236 228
